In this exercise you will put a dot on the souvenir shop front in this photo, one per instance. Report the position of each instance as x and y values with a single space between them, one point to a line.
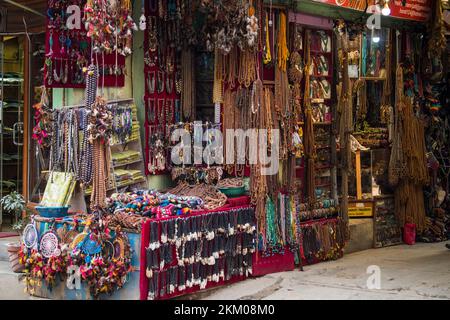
130 84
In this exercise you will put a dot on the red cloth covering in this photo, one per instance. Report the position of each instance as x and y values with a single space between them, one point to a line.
273 264
240 201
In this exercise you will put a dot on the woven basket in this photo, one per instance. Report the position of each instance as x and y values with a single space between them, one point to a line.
13 255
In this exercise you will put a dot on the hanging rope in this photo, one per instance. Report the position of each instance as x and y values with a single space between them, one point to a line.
410 150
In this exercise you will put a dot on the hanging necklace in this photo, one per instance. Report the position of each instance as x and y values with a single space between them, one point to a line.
169 111
324 41
169 84
56 77
161 104
48 76
66 72
151 82
267 53
151 110
160 82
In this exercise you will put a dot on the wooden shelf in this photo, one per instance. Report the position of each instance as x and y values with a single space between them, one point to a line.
320 52
373 78
118 185
128 163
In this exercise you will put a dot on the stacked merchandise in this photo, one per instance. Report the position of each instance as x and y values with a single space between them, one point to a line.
126 157
135 131
437 115
373 138
387 228
127 177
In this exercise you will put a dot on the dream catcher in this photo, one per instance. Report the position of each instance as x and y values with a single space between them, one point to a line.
65 235
121 247
90 247
49 245
77 240
108 249
30 236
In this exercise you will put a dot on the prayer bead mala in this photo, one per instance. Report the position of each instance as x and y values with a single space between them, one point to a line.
188 84
282 49
247 68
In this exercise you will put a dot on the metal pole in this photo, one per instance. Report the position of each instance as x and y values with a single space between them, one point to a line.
21 6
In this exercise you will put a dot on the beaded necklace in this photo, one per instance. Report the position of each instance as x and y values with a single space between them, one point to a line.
283 51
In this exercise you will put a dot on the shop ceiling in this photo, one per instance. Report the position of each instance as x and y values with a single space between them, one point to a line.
15 12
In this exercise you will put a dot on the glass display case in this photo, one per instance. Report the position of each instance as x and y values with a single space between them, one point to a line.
11 115
373 53
38 157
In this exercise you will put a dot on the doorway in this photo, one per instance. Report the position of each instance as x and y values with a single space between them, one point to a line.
12 95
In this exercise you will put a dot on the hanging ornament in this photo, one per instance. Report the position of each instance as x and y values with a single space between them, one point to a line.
143 19
49 245
30 236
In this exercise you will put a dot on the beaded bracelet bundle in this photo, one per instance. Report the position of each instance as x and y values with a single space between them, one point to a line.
323 240
152 204
198 250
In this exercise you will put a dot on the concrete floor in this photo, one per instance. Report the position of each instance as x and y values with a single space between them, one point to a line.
417 272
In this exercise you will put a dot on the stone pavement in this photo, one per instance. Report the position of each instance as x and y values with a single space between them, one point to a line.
407 272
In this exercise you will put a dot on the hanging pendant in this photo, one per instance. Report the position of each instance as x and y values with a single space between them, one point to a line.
30 236
143 22
49 245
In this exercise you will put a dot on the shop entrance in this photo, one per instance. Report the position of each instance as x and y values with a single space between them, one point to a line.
12 64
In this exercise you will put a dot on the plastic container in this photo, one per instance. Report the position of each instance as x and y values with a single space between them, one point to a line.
53 212
233 192
409 234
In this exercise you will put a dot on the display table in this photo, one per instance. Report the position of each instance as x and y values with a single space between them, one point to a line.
183 255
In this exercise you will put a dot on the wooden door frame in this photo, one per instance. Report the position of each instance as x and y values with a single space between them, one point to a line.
27 113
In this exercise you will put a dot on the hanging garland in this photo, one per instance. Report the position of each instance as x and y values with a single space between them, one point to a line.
103 266
188 85
282 48
110 25
413 175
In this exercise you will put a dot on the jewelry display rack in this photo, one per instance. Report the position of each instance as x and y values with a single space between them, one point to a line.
321 103
321 76
126 174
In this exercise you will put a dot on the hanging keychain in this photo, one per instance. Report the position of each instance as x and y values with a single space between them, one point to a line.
143 19
49 244
30 235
